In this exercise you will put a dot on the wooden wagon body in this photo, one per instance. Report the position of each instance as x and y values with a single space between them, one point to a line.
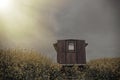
71 51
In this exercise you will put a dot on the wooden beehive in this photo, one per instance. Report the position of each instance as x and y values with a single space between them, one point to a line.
71 51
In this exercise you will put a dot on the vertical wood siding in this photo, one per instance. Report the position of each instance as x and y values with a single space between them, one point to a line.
65 56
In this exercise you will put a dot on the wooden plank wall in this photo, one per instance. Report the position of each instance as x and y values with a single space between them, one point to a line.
64 56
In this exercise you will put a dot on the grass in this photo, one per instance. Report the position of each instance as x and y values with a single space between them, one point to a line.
21 64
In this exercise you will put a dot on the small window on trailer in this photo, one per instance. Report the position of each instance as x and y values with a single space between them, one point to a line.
71 46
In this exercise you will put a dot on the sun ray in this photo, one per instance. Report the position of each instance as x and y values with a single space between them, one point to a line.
5 5
24 21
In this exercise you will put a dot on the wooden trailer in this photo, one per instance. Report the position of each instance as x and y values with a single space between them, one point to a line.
71 51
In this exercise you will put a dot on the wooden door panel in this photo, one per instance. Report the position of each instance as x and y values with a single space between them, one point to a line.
71 58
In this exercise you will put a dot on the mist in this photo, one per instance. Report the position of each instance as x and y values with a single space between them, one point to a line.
40 24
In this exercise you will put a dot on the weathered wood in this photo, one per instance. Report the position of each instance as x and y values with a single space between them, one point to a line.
69 56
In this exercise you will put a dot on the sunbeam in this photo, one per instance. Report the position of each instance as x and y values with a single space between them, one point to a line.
5 5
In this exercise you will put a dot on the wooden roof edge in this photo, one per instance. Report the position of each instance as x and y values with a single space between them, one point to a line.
71 39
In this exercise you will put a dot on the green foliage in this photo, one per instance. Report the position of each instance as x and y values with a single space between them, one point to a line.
20 64
23 65
104 69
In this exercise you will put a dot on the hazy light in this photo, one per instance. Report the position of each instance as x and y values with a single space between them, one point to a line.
20 22
5 4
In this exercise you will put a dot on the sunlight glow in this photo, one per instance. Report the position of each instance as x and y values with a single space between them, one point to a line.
22 21
5 4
